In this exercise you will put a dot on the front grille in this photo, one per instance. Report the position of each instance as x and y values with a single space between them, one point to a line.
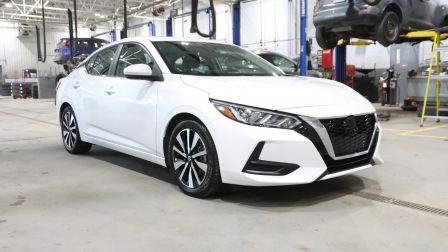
350 135
334 166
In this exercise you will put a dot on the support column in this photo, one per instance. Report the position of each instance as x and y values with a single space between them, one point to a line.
152 29
236 23
303 37
113 36
169 27
341 64
124 33
210 23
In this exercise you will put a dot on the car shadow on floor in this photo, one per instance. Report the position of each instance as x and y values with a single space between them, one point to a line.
278 196
132 163
298 195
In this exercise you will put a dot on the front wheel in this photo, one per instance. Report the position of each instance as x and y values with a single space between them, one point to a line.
388 30
193 159
70 133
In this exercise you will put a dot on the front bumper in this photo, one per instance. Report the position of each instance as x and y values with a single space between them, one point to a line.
236 144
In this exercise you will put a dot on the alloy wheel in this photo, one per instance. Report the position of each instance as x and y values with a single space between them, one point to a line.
190 158
69 130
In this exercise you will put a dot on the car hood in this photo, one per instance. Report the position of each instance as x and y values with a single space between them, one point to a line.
300 95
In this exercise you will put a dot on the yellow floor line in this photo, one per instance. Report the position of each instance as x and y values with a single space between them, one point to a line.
411 132
424 136
396 130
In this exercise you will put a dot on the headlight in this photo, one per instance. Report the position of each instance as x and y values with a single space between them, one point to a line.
256 116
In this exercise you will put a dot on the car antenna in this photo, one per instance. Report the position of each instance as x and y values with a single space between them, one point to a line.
194 19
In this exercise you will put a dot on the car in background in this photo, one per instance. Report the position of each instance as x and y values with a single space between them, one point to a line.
380 20
290 66
215 113
286 64
84 46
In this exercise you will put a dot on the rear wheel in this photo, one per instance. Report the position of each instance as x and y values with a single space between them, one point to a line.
325 39
388 30
70 133
193 159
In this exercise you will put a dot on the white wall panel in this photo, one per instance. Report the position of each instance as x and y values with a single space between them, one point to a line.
251 27
269 24
143 29
372 56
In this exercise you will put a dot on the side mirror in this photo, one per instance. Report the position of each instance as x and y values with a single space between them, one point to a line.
138 72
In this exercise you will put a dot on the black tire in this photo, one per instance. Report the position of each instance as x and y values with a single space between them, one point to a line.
388 30
372 2
196 175
71 137
325 40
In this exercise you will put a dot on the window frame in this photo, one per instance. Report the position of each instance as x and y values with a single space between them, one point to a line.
117 58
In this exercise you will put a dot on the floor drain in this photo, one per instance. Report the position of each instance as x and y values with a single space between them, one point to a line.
402 203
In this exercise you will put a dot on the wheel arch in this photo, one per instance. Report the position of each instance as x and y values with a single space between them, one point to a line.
62 107
444 21
395 8
175 120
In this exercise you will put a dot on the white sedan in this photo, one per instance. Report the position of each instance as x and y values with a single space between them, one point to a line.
215 113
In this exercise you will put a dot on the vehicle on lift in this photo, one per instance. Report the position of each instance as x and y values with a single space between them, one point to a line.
286 64
215 113
84 46
380 20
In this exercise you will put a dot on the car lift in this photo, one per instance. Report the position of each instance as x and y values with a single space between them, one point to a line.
340 51
436 35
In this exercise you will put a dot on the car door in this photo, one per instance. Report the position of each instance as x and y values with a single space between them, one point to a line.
94 88
131 112
423 14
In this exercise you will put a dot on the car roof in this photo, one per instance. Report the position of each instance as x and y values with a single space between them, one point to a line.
263 51
93 39
174 39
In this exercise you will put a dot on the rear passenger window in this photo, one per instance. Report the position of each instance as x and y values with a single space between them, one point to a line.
103 61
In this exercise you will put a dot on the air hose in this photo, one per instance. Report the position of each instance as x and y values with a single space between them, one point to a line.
194 19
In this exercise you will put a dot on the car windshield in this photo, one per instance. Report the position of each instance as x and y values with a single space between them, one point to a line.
212 59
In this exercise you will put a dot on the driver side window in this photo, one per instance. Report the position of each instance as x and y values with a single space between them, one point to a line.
132 54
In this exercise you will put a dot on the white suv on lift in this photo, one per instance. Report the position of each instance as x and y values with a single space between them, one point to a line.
215 113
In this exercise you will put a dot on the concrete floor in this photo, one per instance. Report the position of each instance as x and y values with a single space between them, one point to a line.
107 201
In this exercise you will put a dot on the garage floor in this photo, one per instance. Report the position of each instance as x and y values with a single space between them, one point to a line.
107 201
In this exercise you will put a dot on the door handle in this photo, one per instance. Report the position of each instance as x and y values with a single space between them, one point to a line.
76 85
110 92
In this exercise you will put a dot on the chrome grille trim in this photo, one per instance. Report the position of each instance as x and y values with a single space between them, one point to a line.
325 137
